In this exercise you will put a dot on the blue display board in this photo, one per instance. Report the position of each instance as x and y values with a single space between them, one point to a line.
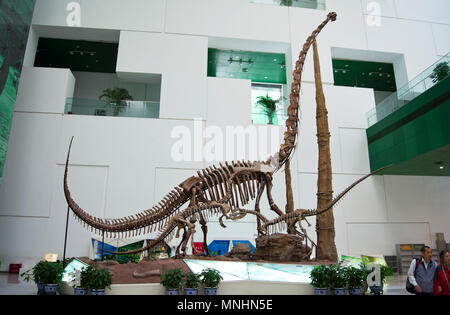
252 248
98 249
218 248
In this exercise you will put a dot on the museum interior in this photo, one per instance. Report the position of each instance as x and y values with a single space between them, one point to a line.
224 147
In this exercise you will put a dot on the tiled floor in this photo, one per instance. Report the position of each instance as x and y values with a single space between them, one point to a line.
11 284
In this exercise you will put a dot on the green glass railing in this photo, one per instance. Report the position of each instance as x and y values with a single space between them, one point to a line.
263 119
93 107
424 81
309 4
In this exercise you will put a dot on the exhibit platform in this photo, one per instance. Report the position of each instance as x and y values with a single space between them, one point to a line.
239 278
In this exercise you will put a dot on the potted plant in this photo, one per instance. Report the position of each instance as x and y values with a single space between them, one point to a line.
320 280
83 285
378 289
99 280
269 107
36 274
191 283
52 274
355 280
440 72
337 279
117 98
172 280
211 279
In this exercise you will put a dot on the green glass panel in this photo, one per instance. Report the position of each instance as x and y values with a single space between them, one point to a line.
254 66
377 75
15 19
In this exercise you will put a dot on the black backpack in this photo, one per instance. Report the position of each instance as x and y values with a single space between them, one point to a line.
409 287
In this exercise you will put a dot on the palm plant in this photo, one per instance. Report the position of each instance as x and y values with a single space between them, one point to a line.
269 106
287 3
440 72
117 97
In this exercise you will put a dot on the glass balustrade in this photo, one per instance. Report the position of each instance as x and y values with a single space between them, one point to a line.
92 107
424 81
264 119
309 4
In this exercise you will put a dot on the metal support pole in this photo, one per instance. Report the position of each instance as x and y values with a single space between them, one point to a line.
103 242
65 238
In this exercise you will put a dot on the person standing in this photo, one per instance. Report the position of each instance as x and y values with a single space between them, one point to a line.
442 277
421 272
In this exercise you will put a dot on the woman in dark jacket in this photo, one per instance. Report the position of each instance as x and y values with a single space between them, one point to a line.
442 277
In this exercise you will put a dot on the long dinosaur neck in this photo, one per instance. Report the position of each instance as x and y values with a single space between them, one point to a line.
290 136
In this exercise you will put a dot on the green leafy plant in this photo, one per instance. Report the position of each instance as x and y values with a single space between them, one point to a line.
172 279
117 97
440 72
268 105
211 278
92 278
320 277
355 277
35 274
192 280
51 272
337 276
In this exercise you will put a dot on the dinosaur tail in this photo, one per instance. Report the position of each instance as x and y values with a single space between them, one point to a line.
290 136
146 221
342 194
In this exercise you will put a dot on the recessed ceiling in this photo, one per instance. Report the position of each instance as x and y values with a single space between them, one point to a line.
254 66
376 75
77 55
433 163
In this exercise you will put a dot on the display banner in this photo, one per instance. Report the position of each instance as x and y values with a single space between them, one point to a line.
378 259
349 261
131 257
97 246
199 248
15 19
252 248
218 248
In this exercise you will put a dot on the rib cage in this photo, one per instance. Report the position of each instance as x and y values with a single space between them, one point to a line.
243 187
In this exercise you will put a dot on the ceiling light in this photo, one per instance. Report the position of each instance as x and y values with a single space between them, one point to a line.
441 167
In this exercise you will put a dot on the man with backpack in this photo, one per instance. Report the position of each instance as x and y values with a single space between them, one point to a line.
421 273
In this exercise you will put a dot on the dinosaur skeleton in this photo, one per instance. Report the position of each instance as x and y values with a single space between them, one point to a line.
219 190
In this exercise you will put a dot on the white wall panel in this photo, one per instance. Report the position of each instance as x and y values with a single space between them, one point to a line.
419 48
182 62
231 18
44 90
431 10
354 140
380 238
229 108
440 35
30 169
140 15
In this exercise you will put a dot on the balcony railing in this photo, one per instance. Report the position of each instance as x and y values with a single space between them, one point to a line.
424 81
92 107
309 4
263 119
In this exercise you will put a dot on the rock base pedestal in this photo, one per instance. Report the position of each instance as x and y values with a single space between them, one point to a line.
281 247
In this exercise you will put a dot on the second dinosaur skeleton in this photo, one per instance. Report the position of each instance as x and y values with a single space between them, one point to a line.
222 190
